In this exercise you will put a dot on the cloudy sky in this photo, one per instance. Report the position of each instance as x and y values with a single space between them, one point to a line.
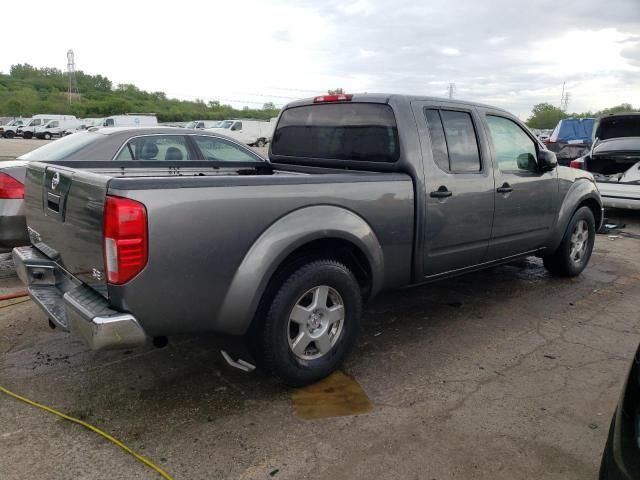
510 53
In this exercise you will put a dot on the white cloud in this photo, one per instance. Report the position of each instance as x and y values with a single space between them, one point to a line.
496 40
359 7
450 51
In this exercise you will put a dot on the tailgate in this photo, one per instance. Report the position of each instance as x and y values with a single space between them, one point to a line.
64 208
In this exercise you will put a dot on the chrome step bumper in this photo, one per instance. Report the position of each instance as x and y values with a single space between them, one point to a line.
73 306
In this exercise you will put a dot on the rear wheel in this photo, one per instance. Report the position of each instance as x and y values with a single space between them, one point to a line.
46 136
27 135
310 322
574 252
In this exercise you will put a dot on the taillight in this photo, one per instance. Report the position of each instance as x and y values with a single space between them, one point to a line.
10 187
577 163
125 238
341 97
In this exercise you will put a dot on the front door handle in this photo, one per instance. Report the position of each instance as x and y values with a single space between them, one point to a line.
442 192
505 188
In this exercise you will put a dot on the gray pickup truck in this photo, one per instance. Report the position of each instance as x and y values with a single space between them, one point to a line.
362 193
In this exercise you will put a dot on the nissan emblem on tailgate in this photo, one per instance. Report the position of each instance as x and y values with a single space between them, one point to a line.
55 180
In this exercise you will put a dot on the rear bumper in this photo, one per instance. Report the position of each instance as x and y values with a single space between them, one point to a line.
619 195
73 306
13 225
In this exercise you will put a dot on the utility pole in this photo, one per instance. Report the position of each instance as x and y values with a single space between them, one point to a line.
565 102
71 73
451 89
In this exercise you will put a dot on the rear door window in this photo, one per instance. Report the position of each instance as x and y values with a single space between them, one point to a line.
155 148
454 143
338 131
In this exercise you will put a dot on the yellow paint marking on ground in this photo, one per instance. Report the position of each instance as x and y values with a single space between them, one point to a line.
338 395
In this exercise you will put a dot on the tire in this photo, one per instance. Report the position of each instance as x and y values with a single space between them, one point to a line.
27 135
607 464
46 136
260 142
574 252
319 299
9 134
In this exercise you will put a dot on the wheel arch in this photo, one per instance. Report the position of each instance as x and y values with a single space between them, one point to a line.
582 193
318 231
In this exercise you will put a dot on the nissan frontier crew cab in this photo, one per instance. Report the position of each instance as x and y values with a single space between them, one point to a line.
361 194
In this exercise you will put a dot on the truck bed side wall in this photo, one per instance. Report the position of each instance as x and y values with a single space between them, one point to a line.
199 237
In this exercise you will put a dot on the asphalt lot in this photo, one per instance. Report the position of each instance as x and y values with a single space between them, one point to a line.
11 148
502 374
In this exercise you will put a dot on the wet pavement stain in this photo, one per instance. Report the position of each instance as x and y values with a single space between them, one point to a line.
338 395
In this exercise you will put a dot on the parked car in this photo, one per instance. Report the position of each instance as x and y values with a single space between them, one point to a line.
621 457
571 139
202 124
614 160
9 129
249 132
56 128
37 121
363 193
151 145
131 120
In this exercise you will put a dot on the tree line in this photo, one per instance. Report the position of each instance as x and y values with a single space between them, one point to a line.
27 90
545 115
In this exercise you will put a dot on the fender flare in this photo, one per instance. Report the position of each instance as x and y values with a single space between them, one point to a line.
579 192
277 242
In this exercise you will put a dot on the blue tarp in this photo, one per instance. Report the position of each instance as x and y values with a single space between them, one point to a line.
575 129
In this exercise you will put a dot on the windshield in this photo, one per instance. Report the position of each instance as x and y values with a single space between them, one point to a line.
613 127
225 124
60 149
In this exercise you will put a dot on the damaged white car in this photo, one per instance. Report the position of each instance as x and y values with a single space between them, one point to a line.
614 160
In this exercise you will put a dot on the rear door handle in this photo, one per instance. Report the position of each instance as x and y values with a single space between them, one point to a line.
505 188
442 192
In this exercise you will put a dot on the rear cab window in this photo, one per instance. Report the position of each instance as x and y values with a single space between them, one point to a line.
338 131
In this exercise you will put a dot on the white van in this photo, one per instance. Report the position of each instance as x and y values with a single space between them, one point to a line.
130 120
56 128
29 130
250 132
201 124
9 129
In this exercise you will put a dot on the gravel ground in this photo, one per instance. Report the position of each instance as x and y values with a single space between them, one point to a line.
502 374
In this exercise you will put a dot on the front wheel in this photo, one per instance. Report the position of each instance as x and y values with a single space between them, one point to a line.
574 252
27 135
311 323
9 134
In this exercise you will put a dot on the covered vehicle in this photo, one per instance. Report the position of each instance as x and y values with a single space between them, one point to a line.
614 160
134 144
571 138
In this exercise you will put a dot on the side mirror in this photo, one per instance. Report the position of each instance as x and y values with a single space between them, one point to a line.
527 161
547 160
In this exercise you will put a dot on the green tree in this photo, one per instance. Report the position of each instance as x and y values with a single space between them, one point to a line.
545 115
